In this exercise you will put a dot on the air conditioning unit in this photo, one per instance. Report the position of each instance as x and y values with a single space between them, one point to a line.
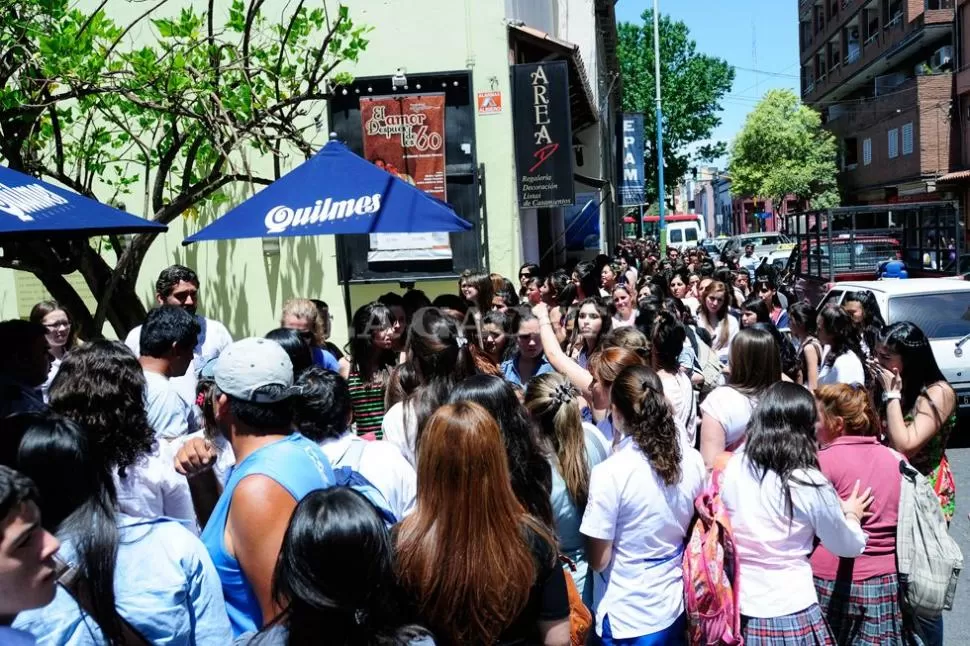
941 57
888 82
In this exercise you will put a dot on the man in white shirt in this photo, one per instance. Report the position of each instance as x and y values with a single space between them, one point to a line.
28 575
167 340
323 414
179 286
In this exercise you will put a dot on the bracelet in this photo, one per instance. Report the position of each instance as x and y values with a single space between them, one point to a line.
544 322
890 395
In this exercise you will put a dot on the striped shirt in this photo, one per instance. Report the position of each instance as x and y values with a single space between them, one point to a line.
367 400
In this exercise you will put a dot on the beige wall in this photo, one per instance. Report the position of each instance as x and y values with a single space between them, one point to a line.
245 289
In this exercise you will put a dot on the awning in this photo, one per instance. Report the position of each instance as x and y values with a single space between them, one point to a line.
533 45
958 177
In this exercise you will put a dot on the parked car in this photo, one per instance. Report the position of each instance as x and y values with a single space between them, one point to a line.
764 243
713 247
940 307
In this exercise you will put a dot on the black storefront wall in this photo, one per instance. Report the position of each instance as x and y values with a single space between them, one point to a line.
464 178
543 134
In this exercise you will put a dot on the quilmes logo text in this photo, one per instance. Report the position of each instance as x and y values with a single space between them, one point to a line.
21 201
280 218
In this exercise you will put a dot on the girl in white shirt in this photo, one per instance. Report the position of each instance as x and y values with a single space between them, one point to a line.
778 502
713 316
667 344
623 307
754 366
843 361
641 501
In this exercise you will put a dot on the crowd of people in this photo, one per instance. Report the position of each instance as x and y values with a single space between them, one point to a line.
477 468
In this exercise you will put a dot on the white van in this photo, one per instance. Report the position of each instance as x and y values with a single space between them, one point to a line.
684 230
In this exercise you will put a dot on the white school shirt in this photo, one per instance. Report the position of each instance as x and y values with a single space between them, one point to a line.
168 414
152 488
382 464
647 523
680 393
773 549
213 339
403 436
846 369
732 410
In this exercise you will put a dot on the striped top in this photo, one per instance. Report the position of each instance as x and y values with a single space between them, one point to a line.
367 400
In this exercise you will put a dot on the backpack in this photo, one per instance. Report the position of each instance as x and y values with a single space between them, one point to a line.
711 585
709 365
927 558
347 474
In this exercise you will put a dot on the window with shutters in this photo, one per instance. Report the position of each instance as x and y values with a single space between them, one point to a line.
908 138
866 152
893 143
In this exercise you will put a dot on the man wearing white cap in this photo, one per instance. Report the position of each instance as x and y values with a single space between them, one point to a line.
275 468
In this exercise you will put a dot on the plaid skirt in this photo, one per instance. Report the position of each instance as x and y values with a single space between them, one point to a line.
865 613
805 628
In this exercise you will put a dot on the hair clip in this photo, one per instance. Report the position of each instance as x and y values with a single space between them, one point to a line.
563 394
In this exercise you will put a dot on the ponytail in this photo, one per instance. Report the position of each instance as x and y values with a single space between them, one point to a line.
638 396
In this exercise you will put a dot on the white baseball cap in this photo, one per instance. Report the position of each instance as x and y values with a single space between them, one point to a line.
254 370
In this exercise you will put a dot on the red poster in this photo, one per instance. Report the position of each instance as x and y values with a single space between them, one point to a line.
405 135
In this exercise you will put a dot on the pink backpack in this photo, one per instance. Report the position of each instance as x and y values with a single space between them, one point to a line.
711 570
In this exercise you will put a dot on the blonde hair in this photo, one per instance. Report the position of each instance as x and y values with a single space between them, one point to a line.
305 309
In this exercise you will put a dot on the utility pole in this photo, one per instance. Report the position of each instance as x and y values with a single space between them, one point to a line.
660 137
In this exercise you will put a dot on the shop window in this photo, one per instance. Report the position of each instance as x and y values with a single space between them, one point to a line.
893 143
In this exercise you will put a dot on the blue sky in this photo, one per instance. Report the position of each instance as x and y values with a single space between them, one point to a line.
748 34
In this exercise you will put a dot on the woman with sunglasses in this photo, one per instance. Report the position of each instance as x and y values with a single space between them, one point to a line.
527 271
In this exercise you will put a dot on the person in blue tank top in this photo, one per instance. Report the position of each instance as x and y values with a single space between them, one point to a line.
275 468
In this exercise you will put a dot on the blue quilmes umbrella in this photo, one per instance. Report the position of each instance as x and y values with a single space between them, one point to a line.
334 192
30 207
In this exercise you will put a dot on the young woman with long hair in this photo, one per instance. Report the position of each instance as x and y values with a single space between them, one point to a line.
754 310
641 502
667 344
335 579
861 602
477 290
864 310
101 386
527 272
678 285
713 316
593 322
478 567
497 337
918 406
61 335
766 288
628 269
608 277
527 360
586 280
528 465
623 307
804 329
844 361
754 366
440 362
371 356
149 572
778 503
789 358
574 449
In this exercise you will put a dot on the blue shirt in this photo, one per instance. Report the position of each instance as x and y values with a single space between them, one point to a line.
165 586
299 466
325 359
510 370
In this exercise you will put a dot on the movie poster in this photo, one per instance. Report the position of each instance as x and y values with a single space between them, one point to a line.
405 135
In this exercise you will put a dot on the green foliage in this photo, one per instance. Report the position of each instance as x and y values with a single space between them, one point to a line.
171 122
691 85
784 150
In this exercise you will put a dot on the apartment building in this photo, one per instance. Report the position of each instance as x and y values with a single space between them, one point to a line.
881 72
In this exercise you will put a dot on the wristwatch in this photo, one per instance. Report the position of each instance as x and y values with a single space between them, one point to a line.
890 394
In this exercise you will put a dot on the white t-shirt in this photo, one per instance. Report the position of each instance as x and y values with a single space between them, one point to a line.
723 349
680 392
400 435
846 369
774 549
647 522
153 488
168 414
732 410
212 341
383 465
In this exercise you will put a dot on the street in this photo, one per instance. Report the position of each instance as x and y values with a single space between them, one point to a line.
957 621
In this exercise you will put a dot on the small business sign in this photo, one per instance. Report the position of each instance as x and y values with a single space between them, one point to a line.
489 102
543 134
631 159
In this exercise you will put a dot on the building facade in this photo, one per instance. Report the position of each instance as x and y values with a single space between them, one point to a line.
881 74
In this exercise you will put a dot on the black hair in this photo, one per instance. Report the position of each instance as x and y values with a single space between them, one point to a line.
790 364
920 369
261 416
559 282
638 396
15 490
529 469
413 300
804 314
322 407
781 436
170 277
757 305
843 332
532 267
101 386
167 326
450 302
335 575
767 280
79 504
509 295
667 341
297 347
589 278
872 322
368 319
504 322
18 337
391 299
